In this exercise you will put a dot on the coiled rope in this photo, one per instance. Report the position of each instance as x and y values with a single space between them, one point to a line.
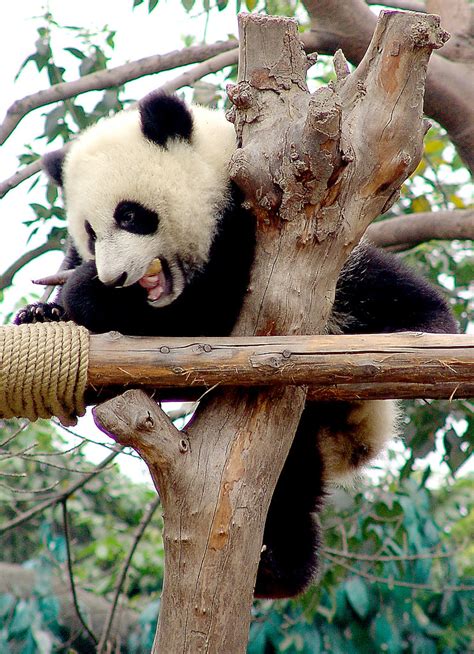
43 370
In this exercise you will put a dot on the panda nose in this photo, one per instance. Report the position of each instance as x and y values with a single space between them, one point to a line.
118 281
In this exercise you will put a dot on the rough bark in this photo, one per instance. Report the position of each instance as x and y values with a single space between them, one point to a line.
365 364
315 177
449 97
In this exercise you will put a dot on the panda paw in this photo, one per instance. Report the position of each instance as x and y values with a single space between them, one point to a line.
39 312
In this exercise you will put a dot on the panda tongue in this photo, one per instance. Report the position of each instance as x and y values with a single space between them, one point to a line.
154 285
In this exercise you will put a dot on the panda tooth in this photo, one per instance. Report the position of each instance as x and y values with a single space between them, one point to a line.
154 268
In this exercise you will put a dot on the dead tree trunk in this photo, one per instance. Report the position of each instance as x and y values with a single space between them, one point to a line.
316 170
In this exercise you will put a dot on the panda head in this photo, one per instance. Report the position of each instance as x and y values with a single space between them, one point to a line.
147 184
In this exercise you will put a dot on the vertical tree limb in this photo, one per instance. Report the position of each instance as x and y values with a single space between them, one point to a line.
449 95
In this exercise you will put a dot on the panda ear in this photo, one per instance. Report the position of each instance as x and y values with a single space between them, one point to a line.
52 164
164 117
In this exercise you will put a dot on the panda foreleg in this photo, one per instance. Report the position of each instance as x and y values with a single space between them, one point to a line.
49 311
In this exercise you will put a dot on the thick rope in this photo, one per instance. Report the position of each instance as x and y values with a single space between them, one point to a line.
43 371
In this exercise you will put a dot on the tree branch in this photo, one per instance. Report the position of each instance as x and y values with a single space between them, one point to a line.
67 538
52 501
144 522
457 16
449 97
315 179
53 243
19 177
212 65
188 78
104 79
404 232
367 365
405 5
391 581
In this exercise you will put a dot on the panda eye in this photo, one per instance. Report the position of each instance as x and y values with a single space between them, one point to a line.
92 237
135 218
90 232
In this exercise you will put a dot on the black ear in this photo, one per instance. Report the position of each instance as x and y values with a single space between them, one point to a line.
164 117
52 164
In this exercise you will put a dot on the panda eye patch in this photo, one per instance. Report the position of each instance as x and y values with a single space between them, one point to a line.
135 218
92 236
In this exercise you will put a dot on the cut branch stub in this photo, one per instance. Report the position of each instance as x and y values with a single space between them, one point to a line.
134 420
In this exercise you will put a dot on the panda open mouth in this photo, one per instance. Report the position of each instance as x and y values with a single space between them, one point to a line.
157 280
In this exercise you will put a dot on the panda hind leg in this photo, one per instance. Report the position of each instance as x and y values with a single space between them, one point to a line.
291 540
289 558
351 434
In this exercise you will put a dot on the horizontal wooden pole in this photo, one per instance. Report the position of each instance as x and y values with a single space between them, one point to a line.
401 365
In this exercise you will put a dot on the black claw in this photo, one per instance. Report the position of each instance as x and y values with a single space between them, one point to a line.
38 313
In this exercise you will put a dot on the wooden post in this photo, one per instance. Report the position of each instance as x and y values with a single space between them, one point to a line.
316 170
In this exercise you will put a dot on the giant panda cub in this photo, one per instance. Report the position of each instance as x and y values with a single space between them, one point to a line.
161 245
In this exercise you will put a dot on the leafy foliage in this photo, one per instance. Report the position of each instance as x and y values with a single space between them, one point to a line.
389 580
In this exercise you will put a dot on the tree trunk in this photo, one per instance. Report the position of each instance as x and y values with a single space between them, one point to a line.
316 170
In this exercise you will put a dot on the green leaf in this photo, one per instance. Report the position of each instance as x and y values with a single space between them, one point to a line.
251 4
52 193
76 53
388 513
40 210
151 5
49 607
43 640
257 638
358 596
422 645
222 4
7 602
420 204
22 618
188 4
312 640
455 456
137 2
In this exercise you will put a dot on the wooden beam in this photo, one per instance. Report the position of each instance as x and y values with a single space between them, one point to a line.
401 365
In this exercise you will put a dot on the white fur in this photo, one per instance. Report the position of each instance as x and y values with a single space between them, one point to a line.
371 424
186 184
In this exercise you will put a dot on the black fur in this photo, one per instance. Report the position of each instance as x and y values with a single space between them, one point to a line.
377 293
165 117
133 217
52 164
289 559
